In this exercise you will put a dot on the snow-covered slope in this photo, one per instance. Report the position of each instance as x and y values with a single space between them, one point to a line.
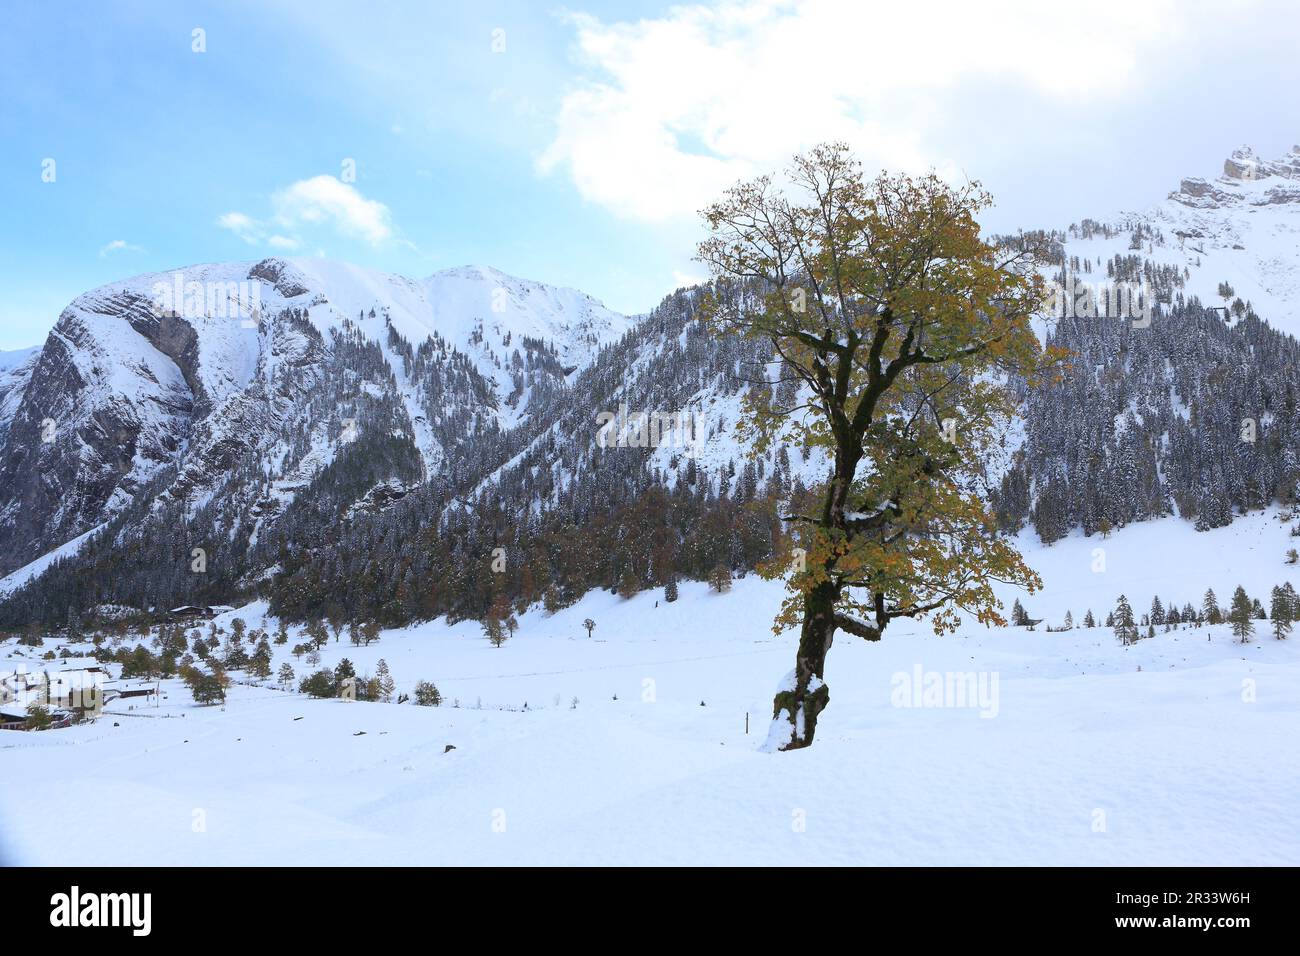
631 747
34 569
12 359
15 372
1241 228
478 310
575 322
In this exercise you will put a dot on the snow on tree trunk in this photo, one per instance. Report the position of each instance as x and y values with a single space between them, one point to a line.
803 695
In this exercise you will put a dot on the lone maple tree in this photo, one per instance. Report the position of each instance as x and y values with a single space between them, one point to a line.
904 330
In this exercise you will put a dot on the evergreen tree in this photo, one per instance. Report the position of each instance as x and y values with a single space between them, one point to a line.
670 589
285 675
235 657
1018 616
207 688
720 578
320 683
386 684
494 629
260 663
1210 612
628 585
317 633
427 695
1239 615
1069 621
1281 612
1157 615
1122 621
1089 620
495 622
38 717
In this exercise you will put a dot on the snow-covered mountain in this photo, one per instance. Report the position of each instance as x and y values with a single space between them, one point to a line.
332 434
187 372
1241 228
1186 404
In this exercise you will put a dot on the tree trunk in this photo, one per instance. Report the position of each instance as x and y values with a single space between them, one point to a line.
802 699
796 707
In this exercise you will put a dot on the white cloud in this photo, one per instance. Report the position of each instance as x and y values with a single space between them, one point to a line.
118 245
245 227
321 200
671 110
325 199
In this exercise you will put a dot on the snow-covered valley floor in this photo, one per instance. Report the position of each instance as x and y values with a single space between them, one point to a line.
1181 749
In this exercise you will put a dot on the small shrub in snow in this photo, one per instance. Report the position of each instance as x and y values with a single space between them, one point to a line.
38 717
427 695
319 684
720 579
206 688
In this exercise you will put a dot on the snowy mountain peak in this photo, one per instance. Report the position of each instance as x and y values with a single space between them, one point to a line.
1246 165
202 371
462 305
1247 180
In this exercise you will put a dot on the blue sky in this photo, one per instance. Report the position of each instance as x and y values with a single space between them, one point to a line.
573 144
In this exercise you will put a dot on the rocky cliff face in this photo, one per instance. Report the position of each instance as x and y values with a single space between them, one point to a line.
96 417
1243 164
1247 180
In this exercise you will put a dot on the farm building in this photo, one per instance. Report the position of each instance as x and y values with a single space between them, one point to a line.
78 690
197 612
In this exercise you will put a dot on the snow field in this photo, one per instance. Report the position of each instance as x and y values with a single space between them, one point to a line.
1177 750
